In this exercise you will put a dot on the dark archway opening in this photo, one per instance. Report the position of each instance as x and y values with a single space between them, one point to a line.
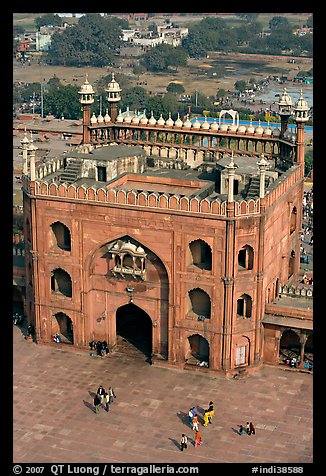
289 345
198 351
63 326
134 331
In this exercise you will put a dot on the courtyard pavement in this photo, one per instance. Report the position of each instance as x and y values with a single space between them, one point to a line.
54 421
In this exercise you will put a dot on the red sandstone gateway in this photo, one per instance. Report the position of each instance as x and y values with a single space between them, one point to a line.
167 238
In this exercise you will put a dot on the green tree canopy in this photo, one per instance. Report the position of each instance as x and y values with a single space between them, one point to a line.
48 19
63 101
175 88
94 41
240 85
162 56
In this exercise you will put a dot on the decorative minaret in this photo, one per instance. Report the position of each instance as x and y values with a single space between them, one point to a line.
301 111
32 150
231 169
113 97
284 110
262 165
24 142
86 99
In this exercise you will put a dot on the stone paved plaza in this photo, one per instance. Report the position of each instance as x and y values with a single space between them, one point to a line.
54 421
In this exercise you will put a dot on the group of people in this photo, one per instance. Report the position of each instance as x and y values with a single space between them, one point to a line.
57 338
250 429
101 347
193 421
103 398
208 416
306 280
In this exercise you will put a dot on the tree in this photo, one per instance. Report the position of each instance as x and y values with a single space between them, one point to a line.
279 23
221 93
175 88
63 101
135 98
94 41
248 17
48 19
240 85
162 56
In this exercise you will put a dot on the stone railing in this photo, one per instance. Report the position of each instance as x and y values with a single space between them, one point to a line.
146 199
296 291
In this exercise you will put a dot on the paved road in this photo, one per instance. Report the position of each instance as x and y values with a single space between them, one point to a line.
54 421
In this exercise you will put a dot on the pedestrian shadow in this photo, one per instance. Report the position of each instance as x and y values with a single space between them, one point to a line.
235 431
200 413
91 394
175 442
90 406
183 417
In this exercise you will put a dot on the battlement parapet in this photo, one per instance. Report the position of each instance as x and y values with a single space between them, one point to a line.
280 186
42 170
210 205
296 291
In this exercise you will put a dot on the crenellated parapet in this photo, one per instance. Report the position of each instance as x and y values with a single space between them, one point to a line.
284 183
49 167
151 200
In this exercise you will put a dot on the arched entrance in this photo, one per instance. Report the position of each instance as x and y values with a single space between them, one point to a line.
134 331
198 351
62 325
289 345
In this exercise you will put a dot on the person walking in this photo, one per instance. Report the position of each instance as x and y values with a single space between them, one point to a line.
252 428
112 395
101 392
97 403
190 416
183 442
210 412
106 401
241 429
248 428
195 423
198 440
206 419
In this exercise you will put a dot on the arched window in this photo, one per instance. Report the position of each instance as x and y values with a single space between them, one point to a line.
201 254
246 258
62 236
61 282
293 221
244 306
200 303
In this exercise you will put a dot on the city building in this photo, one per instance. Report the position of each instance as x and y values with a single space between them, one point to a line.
179 235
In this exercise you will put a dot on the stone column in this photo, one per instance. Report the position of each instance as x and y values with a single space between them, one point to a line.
231 167
262 164
32 149
228 288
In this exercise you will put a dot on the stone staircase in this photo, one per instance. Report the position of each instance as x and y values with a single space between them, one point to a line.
72 172
253 190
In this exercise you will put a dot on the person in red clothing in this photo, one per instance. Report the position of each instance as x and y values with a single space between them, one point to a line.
198 440
252 428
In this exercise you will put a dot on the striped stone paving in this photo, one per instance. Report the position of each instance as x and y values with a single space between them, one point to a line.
54 421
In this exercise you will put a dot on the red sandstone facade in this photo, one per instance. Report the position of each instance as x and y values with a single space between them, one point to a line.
198 272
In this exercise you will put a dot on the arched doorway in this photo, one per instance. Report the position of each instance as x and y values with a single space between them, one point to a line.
289 345
134 331
62 325
198 351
